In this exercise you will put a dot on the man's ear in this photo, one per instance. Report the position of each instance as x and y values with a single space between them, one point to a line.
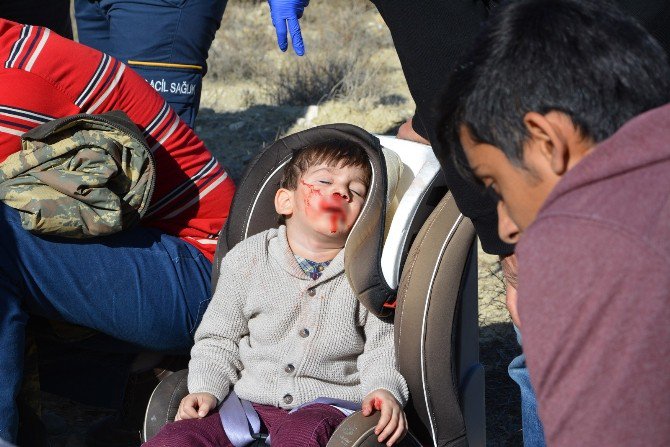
284 202
547 135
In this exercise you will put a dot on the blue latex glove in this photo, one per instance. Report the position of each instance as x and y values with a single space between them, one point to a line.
285 15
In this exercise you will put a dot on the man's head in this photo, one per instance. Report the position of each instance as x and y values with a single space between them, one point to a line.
323 190
545 82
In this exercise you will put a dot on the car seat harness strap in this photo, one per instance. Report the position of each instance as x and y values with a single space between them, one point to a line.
243 425
239 419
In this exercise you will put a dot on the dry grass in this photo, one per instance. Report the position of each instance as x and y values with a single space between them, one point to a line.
350 71
338 62
244 43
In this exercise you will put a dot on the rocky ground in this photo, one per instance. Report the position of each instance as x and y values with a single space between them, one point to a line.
253 94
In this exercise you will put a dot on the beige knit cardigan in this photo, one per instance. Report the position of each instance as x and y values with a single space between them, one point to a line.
281 338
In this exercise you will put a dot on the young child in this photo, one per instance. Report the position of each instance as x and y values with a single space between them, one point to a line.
284 327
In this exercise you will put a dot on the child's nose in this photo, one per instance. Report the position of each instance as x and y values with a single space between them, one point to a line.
340 194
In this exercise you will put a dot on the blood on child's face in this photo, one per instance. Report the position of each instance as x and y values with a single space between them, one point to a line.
330 198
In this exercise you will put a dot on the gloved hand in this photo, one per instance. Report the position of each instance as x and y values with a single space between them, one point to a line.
287 12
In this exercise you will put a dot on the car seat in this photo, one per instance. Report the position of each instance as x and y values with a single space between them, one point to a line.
421 268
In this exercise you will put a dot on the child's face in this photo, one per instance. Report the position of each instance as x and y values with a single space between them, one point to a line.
326 202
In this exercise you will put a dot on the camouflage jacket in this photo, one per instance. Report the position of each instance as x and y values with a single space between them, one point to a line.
80 176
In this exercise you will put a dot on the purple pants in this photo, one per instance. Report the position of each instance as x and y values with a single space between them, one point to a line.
310 426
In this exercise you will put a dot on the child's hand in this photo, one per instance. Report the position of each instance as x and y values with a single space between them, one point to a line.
393 423
195 405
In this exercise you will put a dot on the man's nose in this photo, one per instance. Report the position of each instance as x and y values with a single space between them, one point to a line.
507 229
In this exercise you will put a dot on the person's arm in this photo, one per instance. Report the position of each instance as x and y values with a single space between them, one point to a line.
384 388
407 132
430 37
377 364
192 190
215 360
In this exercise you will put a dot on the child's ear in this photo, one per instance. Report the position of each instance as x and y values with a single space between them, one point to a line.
547 138
284 202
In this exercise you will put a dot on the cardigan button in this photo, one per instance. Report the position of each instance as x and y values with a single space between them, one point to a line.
311 292
288 399
304 333
289 368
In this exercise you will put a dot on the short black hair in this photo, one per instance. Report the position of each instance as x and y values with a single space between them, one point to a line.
584 58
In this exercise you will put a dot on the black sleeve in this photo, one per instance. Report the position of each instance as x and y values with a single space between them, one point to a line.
54 14
654 15
429 37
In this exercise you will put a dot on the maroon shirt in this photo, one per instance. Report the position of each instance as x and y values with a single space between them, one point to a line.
594 293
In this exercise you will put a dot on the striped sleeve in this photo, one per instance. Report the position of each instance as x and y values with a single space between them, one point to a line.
104 80
27 48
15 120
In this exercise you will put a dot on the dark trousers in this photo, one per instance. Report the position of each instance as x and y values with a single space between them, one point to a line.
310 426
144 289
165 41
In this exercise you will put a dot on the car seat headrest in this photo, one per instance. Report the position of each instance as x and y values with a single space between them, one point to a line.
394 170
252 210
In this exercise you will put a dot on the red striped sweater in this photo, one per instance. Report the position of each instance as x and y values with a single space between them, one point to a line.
44 76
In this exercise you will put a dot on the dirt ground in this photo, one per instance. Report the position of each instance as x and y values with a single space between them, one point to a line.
253 94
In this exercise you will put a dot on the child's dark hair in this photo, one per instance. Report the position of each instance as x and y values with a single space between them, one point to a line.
332 153
584 58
